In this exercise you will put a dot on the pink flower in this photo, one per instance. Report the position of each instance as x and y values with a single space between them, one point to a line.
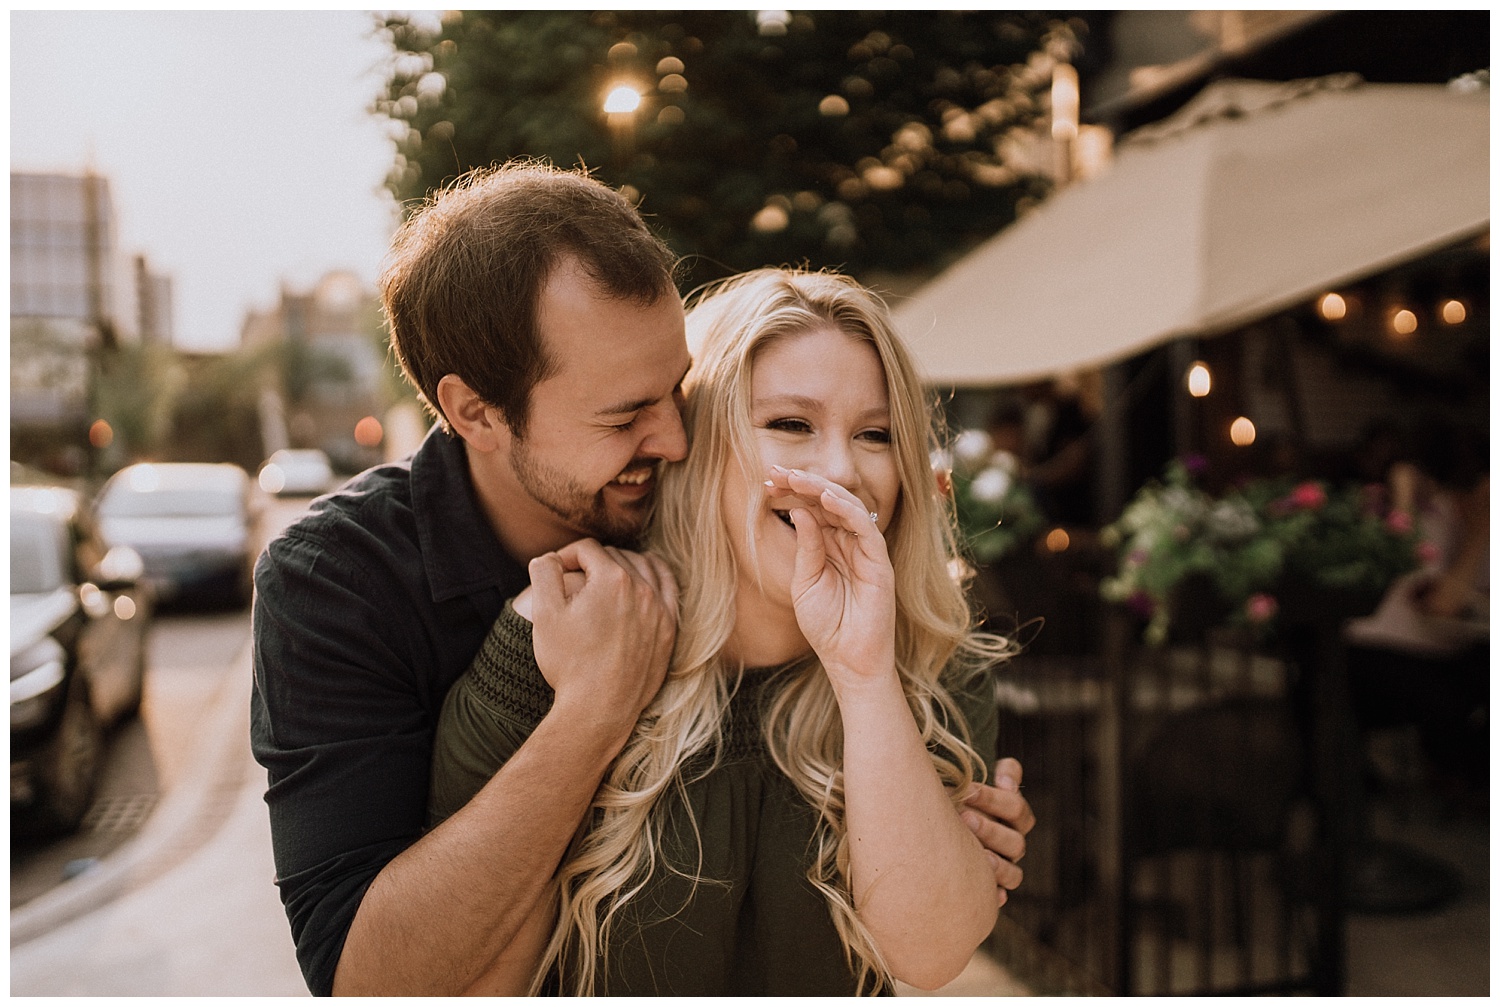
944 481
1398 522
1260 608
1309 496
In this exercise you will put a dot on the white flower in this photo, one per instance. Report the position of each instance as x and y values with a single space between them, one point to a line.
1232 519
972 446
990 486
1005 462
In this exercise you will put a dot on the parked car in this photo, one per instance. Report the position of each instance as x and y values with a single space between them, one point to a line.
79 619
192 523
300 472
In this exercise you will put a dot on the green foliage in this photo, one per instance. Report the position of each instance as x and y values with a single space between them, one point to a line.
136 391
1248 546
996 512
866 140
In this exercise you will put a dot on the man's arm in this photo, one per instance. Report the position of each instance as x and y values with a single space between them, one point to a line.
1001 819
441 912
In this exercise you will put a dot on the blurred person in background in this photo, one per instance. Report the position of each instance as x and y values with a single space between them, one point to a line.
1423 656
539 320
785 819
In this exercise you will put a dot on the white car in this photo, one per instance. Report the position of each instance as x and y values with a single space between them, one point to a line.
192 523
305 472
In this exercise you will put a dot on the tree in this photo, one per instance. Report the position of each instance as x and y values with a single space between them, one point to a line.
875 140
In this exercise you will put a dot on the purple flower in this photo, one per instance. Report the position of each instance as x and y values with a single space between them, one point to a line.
1142 604
1196 464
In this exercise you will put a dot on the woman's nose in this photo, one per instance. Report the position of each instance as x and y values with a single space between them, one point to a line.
836 463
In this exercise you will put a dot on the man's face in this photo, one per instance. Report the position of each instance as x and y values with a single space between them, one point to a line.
600 426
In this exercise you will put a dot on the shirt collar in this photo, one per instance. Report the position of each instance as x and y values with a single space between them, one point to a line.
459 549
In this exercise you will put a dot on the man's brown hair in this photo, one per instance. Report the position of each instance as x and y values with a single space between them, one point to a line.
463 281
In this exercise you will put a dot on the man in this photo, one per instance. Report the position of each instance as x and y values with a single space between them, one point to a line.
539 320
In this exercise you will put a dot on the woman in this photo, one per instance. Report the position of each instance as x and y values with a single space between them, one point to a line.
785 819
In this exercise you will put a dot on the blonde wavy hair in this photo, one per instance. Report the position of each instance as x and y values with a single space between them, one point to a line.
614 859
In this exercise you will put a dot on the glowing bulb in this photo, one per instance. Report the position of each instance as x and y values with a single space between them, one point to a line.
1454 312
1332 307
1199 380
622 100
1242 432
1403 322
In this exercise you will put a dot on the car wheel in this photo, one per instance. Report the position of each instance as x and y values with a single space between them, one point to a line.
68 767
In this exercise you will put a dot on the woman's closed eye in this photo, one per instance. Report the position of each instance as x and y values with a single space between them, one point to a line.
875 435
789 424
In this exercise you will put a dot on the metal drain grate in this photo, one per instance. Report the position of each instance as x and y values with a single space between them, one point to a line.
118 815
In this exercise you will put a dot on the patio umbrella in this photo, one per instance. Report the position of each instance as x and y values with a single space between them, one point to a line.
1252 197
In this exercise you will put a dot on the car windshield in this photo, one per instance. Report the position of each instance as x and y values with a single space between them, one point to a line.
123 501
36 564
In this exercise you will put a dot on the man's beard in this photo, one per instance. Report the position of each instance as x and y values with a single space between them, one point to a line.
581 510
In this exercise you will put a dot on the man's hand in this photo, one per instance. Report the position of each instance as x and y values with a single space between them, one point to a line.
1000 817
603 645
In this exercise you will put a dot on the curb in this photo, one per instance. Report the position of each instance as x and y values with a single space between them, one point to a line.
174 828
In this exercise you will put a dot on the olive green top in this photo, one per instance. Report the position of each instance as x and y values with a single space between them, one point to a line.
755 926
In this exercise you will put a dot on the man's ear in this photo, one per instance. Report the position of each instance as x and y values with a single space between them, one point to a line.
480 424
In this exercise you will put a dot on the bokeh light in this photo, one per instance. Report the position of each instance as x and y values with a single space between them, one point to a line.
1199 380
622 100
272 479
1058 540
1242 432
101 434
833 105
1403 321
1453 311
368 432
1332 307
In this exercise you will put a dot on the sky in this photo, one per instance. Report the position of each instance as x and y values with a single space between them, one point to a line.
240 154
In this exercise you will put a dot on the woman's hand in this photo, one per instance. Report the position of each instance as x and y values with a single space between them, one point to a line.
843 588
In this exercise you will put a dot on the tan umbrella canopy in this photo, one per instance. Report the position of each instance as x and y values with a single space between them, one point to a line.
1252 197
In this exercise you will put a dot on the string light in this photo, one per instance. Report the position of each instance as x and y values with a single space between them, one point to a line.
1333 307
1242 432
1453 311
1199 380
1403 321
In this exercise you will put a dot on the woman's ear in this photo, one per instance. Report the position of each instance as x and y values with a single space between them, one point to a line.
480 424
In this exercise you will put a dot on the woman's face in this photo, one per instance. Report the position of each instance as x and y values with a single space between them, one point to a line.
818 403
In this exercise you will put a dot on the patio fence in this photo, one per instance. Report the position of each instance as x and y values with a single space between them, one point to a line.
1191 826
